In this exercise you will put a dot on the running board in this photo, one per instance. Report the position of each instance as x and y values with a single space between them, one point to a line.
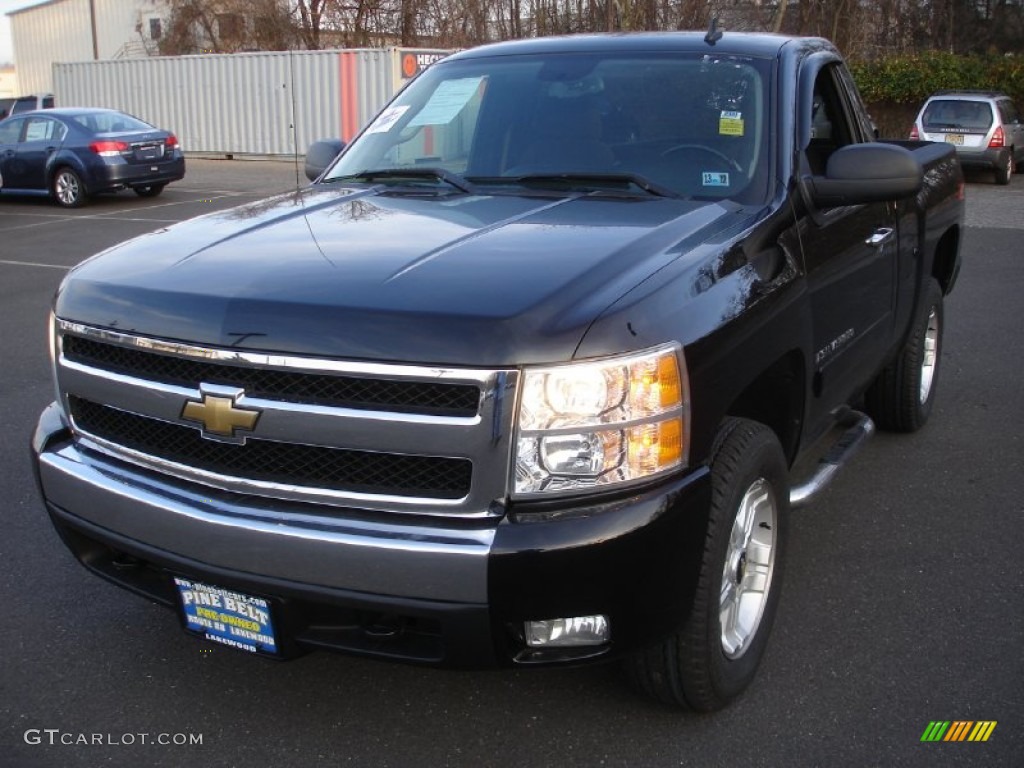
859 427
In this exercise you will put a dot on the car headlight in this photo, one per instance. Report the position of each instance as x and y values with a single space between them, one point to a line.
598 423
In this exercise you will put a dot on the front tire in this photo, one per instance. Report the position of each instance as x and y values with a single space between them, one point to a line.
901 397
715 654
68 189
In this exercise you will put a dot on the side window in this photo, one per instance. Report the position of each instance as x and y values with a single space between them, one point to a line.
1009 112
42 129
830 128
10 131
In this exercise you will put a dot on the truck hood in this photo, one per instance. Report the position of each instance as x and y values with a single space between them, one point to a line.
370 273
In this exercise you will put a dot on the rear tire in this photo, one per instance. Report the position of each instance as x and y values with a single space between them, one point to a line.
68 189
901 397
1005 169
714 655
150 190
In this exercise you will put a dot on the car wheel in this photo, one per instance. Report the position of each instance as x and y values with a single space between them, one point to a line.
714 655
150 190
1005 169
68 189
901 397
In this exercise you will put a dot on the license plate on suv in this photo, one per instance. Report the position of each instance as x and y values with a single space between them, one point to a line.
227 617
955 138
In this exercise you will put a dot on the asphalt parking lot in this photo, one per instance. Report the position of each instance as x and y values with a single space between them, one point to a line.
903 602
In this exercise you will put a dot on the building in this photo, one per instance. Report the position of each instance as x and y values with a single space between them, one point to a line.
8 83
81 30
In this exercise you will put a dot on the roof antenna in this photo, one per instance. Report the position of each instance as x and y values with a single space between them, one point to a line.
714 33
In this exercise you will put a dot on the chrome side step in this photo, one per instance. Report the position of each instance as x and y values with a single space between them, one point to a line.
859 427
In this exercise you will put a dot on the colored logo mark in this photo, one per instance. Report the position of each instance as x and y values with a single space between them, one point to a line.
958 730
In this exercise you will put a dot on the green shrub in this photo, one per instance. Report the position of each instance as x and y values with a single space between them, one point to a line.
911 79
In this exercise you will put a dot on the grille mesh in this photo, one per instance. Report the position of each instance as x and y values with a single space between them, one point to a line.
432 398
269 461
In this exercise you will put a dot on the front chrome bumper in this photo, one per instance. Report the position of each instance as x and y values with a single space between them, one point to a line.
438 561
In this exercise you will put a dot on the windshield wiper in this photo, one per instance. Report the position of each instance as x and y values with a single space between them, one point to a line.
381 174
591 180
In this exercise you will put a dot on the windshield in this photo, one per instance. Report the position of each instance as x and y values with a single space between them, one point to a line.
687 124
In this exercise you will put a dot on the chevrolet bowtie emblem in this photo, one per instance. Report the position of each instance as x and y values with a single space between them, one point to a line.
219 416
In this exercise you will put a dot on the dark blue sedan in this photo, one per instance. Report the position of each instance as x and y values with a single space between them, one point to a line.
72 154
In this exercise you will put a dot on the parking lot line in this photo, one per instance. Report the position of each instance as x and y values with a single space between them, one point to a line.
33 264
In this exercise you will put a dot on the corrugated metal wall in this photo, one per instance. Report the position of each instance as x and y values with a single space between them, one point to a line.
62 30
240 104
40 31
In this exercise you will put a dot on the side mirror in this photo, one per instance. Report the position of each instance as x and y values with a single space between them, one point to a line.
320 155
866 173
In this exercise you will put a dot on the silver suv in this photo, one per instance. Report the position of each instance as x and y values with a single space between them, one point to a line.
984 126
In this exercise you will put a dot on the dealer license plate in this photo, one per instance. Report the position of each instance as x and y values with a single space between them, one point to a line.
955 138
227 617
149 151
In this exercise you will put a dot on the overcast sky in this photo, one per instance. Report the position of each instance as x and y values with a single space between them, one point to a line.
6 48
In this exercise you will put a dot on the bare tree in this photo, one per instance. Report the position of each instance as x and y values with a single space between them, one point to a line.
861 28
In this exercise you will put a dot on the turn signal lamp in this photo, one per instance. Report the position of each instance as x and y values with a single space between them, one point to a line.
108 148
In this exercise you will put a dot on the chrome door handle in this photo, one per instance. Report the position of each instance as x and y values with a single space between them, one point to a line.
880 237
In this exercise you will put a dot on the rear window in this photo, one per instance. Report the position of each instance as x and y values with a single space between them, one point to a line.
956 115
111 122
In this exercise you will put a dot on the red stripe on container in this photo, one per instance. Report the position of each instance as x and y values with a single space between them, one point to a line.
349 97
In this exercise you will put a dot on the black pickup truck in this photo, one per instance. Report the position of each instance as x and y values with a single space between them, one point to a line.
523 377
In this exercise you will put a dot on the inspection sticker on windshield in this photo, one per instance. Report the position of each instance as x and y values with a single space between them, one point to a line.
447 101
712 179
386 120
730 124
226 617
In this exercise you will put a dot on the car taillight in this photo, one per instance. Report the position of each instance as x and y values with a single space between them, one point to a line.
914 135
172 141
998 139
108 148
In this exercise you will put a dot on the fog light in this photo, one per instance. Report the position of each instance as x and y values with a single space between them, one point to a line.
568 633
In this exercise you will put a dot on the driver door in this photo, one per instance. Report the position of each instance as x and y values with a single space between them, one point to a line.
850 258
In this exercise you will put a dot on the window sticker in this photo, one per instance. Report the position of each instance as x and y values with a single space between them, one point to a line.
447 101
730 124
387 119
715 179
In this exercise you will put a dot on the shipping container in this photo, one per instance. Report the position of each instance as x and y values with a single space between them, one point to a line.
246 104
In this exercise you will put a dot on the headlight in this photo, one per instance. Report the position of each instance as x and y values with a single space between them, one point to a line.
597 423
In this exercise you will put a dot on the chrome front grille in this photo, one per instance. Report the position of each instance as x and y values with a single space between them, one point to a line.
437 398
398 438
303 465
